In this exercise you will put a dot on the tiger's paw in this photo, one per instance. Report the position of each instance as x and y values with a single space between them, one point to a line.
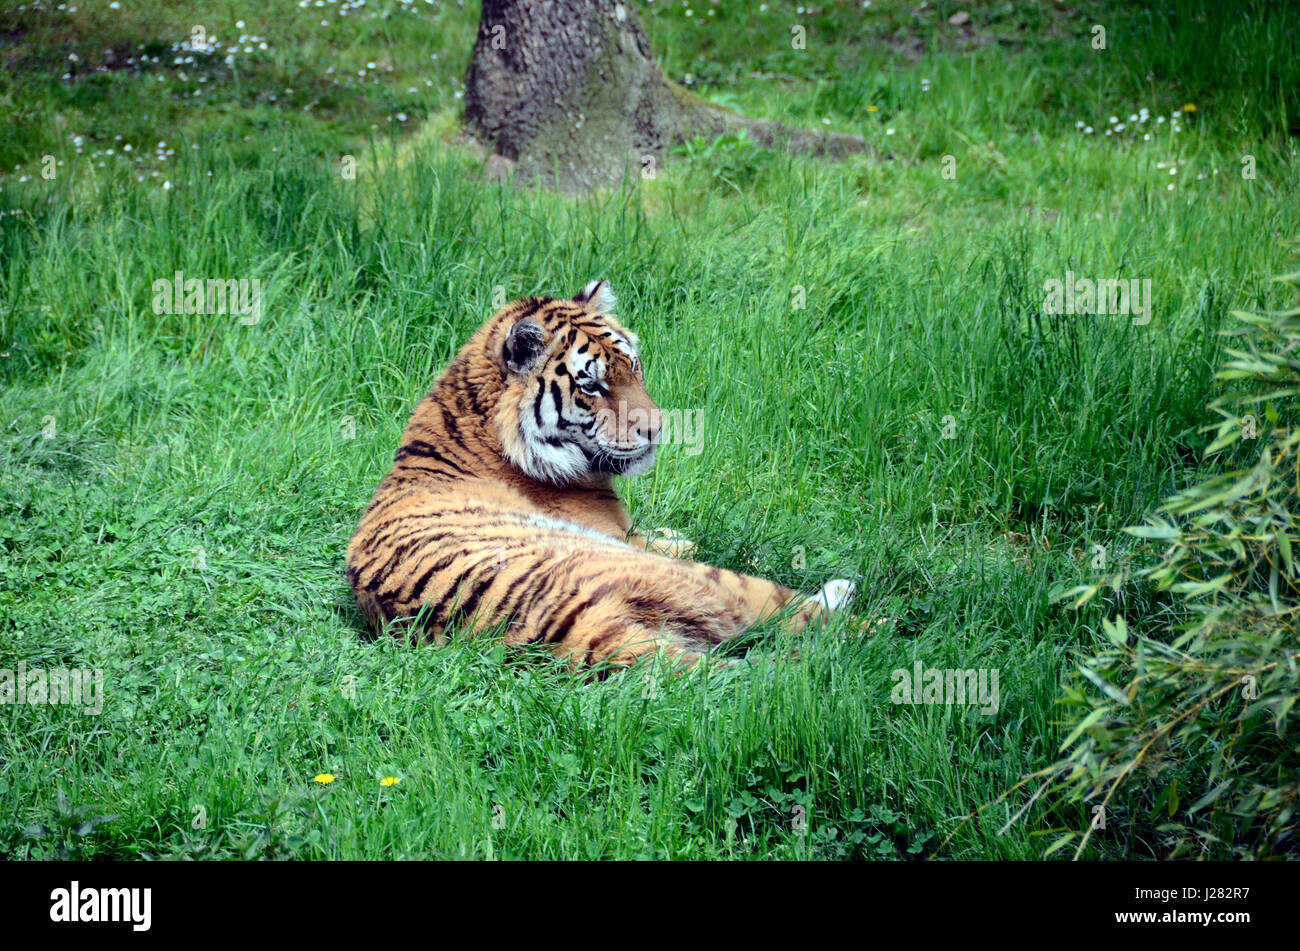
665 541
835 595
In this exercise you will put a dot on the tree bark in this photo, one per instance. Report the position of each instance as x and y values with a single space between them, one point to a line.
569 92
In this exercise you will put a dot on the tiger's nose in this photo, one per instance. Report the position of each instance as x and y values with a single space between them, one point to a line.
647 426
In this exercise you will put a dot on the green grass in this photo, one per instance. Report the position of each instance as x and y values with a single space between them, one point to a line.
183 527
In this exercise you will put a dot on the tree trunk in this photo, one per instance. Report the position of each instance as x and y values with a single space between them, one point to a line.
570 92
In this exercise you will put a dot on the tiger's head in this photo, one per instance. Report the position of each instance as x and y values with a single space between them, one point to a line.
573 406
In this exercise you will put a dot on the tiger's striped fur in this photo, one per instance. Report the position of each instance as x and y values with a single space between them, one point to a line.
500 504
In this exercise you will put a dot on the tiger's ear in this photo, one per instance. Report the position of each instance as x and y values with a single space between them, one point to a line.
524 344
599 295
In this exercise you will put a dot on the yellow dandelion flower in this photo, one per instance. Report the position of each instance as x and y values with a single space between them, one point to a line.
389 781
873 108
324 778
1189 107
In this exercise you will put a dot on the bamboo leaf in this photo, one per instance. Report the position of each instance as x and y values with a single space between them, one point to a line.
1082 726
1104 686
1116 631
1209 797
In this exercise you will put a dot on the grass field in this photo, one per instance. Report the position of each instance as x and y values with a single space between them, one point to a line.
881 393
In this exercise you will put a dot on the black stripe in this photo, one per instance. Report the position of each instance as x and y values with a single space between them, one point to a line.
693 628
537 406
536 578
423 581
452 427
534 304
560 624
465 609
377 530
417 475
651 606
478 407
558 399
422 449
544 585
401 547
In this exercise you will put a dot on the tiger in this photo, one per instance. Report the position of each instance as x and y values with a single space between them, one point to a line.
500 511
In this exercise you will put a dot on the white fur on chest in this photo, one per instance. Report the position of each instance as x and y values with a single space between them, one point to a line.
551 524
